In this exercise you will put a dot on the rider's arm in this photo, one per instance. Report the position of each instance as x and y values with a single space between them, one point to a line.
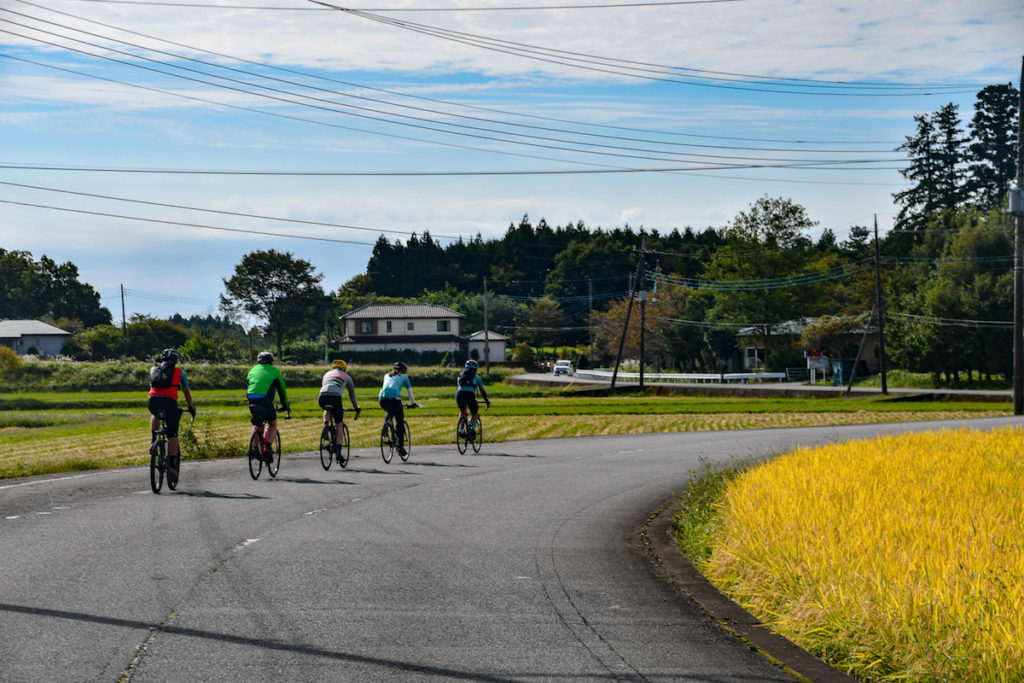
284 391
480 385
351 387
408 387
188 396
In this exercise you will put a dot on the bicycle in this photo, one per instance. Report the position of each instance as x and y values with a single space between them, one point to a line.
464 436
389 438
258 446
329 441
158 455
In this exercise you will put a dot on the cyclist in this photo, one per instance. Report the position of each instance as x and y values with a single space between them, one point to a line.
465 396
390 399
266 383
335 382
165 379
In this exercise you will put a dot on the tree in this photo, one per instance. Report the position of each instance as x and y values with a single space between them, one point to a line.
937 169
992 152
279 289
46 289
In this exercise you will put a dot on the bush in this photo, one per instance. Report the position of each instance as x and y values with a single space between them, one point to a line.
8 360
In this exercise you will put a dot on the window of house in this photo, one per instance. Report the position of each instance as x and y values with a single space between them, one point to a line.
365 327
754 357
389 326
443 325
409 326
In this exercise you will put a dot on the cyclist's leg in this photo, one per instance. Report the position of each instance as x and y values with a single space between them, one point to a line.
271 431
400 424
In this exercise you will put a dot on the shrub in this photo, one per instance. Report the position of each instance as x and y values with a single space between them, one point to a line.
8 360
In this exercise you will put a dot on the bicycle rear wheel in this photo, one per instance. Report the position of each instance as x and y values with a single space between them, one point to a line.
387 442
460 434
478 437
275 464
343 447
408 443
156 466
256 454
326 444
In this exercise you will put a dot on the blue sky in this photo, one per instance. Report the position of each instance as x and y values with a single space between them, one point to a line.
411 131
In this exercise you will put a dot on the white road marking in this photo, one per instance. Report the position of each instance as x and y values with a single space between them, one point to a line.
47 481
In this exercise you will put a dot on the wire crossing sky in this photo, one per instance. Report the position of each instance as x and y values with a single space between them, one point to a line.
317 128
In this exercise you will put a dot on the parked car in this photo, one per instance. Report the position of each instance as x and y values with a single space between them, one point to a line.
564 367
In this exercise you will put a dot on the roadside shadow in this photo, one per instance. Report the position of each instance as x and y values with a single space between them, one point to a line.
306 480
374 470
437 464
491 454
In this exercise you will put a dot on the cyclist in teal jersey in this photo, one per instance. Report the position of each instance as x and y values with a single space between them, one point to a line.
265 384
465 396
390 399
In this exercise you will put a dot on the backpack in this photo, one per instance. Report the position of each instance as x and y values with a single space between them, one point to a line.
163 378
466 376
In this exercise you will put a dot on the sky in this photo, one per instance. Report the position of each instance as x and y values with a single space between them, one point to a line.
154 143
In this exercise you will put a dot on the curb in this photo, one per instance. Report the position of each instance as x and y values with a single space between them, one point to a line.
670 562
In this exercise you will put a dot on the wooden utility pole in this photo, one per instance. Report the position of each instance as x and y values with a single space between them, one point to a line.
124 324
1018 258
881 313
487 345
629 309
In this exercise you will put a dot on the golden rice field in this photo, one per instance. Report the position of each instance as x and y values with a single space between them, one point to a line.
897 558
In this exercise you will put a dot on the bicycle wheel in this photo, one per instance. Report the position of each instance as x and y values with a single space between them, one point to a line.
344 447
275 464
387 442
255 455
326 444
460 434
408 444
156 466
478 437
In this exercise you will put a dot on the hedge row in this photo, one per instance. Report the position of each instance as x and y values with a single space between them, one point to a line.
134 375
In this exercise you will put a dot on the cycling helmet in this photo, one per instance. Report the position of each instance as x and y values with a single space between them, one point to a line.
472 364
340 364
265 357
169 355
400 367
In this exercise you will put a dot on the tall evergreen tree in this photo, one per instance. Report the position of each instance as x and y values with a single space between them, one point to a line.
992 152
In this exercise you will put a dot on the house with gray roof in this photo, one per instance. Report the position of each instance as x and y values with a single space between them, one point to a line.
27 335
415 327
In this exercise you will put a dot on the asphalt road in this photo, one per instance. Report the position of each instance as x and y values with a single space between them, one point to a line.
522 563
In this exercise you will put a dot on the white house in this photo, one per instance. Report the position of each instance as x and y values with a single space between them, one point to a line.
23 335
496 346
395 327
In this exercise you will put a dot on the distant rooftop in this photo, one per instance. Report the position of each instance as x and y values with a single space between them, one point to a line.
380 311
11 329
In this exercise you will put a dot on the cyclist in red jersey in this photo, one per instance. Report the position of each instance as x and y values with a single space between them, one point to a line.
165 379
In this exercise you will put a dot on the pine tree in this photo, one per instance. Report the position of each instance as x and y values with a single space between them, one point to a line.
992 152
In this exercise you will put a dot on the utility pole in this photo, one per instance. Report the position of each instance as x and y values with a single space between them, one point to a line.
487 346
124 323
881 313
1017 210
629 309
643 316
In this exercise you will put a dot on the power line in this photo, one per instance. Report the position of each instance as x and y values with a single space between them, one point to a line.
157 3
462 105
647 70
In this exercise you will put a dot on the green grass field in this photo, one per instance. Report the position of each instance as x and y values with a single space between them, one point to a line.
57 432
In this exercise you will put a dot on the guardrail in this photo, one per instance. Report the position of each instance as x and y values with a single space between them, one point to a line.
684 378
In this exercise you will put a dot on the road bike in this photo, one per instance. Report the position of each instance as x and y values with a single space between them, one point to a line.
389 438
329 445
466 437
158 458
259 446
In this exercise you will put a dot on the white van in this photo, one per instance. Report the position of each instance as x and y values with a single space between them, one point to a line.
564 367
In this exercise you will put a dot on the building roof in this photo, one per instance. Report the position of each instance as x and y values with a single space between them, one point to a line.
795 327
491 336
381 311
10 329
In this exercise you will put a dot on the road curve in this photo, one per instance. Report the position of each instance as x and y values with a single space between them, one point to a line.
522 563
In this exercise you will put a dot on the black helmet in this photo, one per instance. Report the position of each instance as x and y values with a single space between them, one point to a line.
265 357
169 355
400 366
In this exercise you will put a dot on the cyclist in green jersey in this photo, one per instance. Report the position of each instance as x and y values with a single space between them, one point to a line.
266 384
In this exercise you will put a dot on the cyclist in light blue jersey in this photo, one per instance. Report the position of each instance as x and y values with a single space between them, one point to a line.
390 399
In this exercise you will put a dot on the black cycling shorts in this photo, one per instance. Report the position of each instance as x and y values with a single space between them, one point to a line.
166 408
466 400
261 411
332 402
